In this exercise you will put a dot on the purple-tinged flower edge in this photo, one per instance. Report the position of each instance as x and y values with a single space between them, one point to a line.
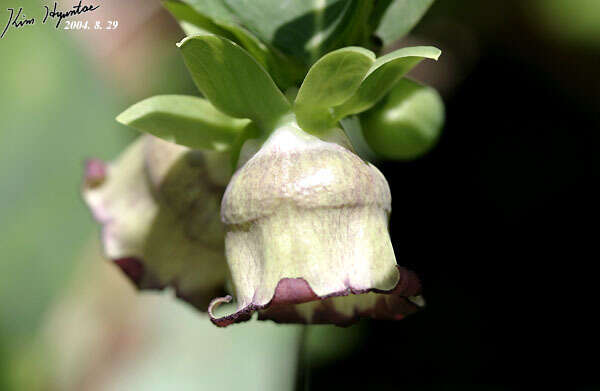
294 301
158 210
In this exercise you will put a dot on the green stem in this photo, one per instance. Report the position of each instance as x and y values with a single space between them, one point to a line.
303 371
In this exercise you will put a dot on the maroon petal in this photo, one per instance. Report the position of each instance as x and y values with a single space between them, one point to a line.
137 273
132 268
291 293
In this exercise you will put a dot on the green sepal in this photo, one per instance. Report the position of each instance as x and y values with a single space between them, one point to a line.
330 82
184 120
385 72
233 81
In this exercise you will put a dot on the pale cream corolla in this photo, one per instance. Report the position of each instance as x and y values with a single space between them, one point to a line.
307 236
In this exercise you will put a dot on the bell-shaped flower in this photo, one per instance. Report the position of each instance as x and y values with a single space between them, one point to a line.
305 218
158 204
307 237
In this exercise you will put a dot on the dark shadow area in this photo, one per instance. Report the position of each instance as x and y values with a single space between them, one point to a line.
497 220
293 37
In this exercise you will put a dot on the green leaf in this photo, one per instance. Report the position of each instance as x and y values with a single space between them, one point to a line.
284 71
192 22
396 18
305 29
216 10
331 81
407 123
385 72
353 28
233 81
185 120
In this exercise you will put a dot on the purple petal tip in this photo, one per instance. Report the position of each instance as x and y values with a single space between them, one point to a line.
95 172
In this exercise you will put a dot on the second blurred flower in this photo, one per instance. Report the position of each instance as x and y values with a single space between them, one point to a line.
158 204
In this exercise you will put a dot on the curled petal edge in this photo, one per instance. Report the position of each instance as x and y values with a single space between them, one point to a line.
135 270
395 304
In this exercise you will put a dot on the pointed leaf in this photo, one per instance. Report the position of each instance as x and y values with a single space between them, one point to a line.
398 17
305 29
185 120
330 82
233 81
382 76
283 69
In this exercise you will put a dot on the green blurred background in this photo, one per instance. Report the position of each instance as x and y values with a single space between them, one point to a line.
70 321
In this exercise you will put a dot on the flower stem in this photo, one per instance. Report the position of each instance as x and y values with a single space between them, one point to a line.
303 371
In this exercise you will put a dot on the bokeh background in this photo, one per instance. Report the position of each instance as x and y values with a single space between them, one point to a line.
498 219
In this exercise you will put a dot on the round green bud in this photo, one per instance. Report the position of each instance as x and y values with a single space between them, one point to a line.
406 123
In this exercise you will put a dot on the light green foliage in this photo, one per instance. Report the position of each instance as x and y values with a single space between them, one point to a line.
185 120
398 17
407 123
349 81
193 22
216 10
287 37
282 68
344 82
383 75
331 81
233 81
305 29
243 83
284 71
